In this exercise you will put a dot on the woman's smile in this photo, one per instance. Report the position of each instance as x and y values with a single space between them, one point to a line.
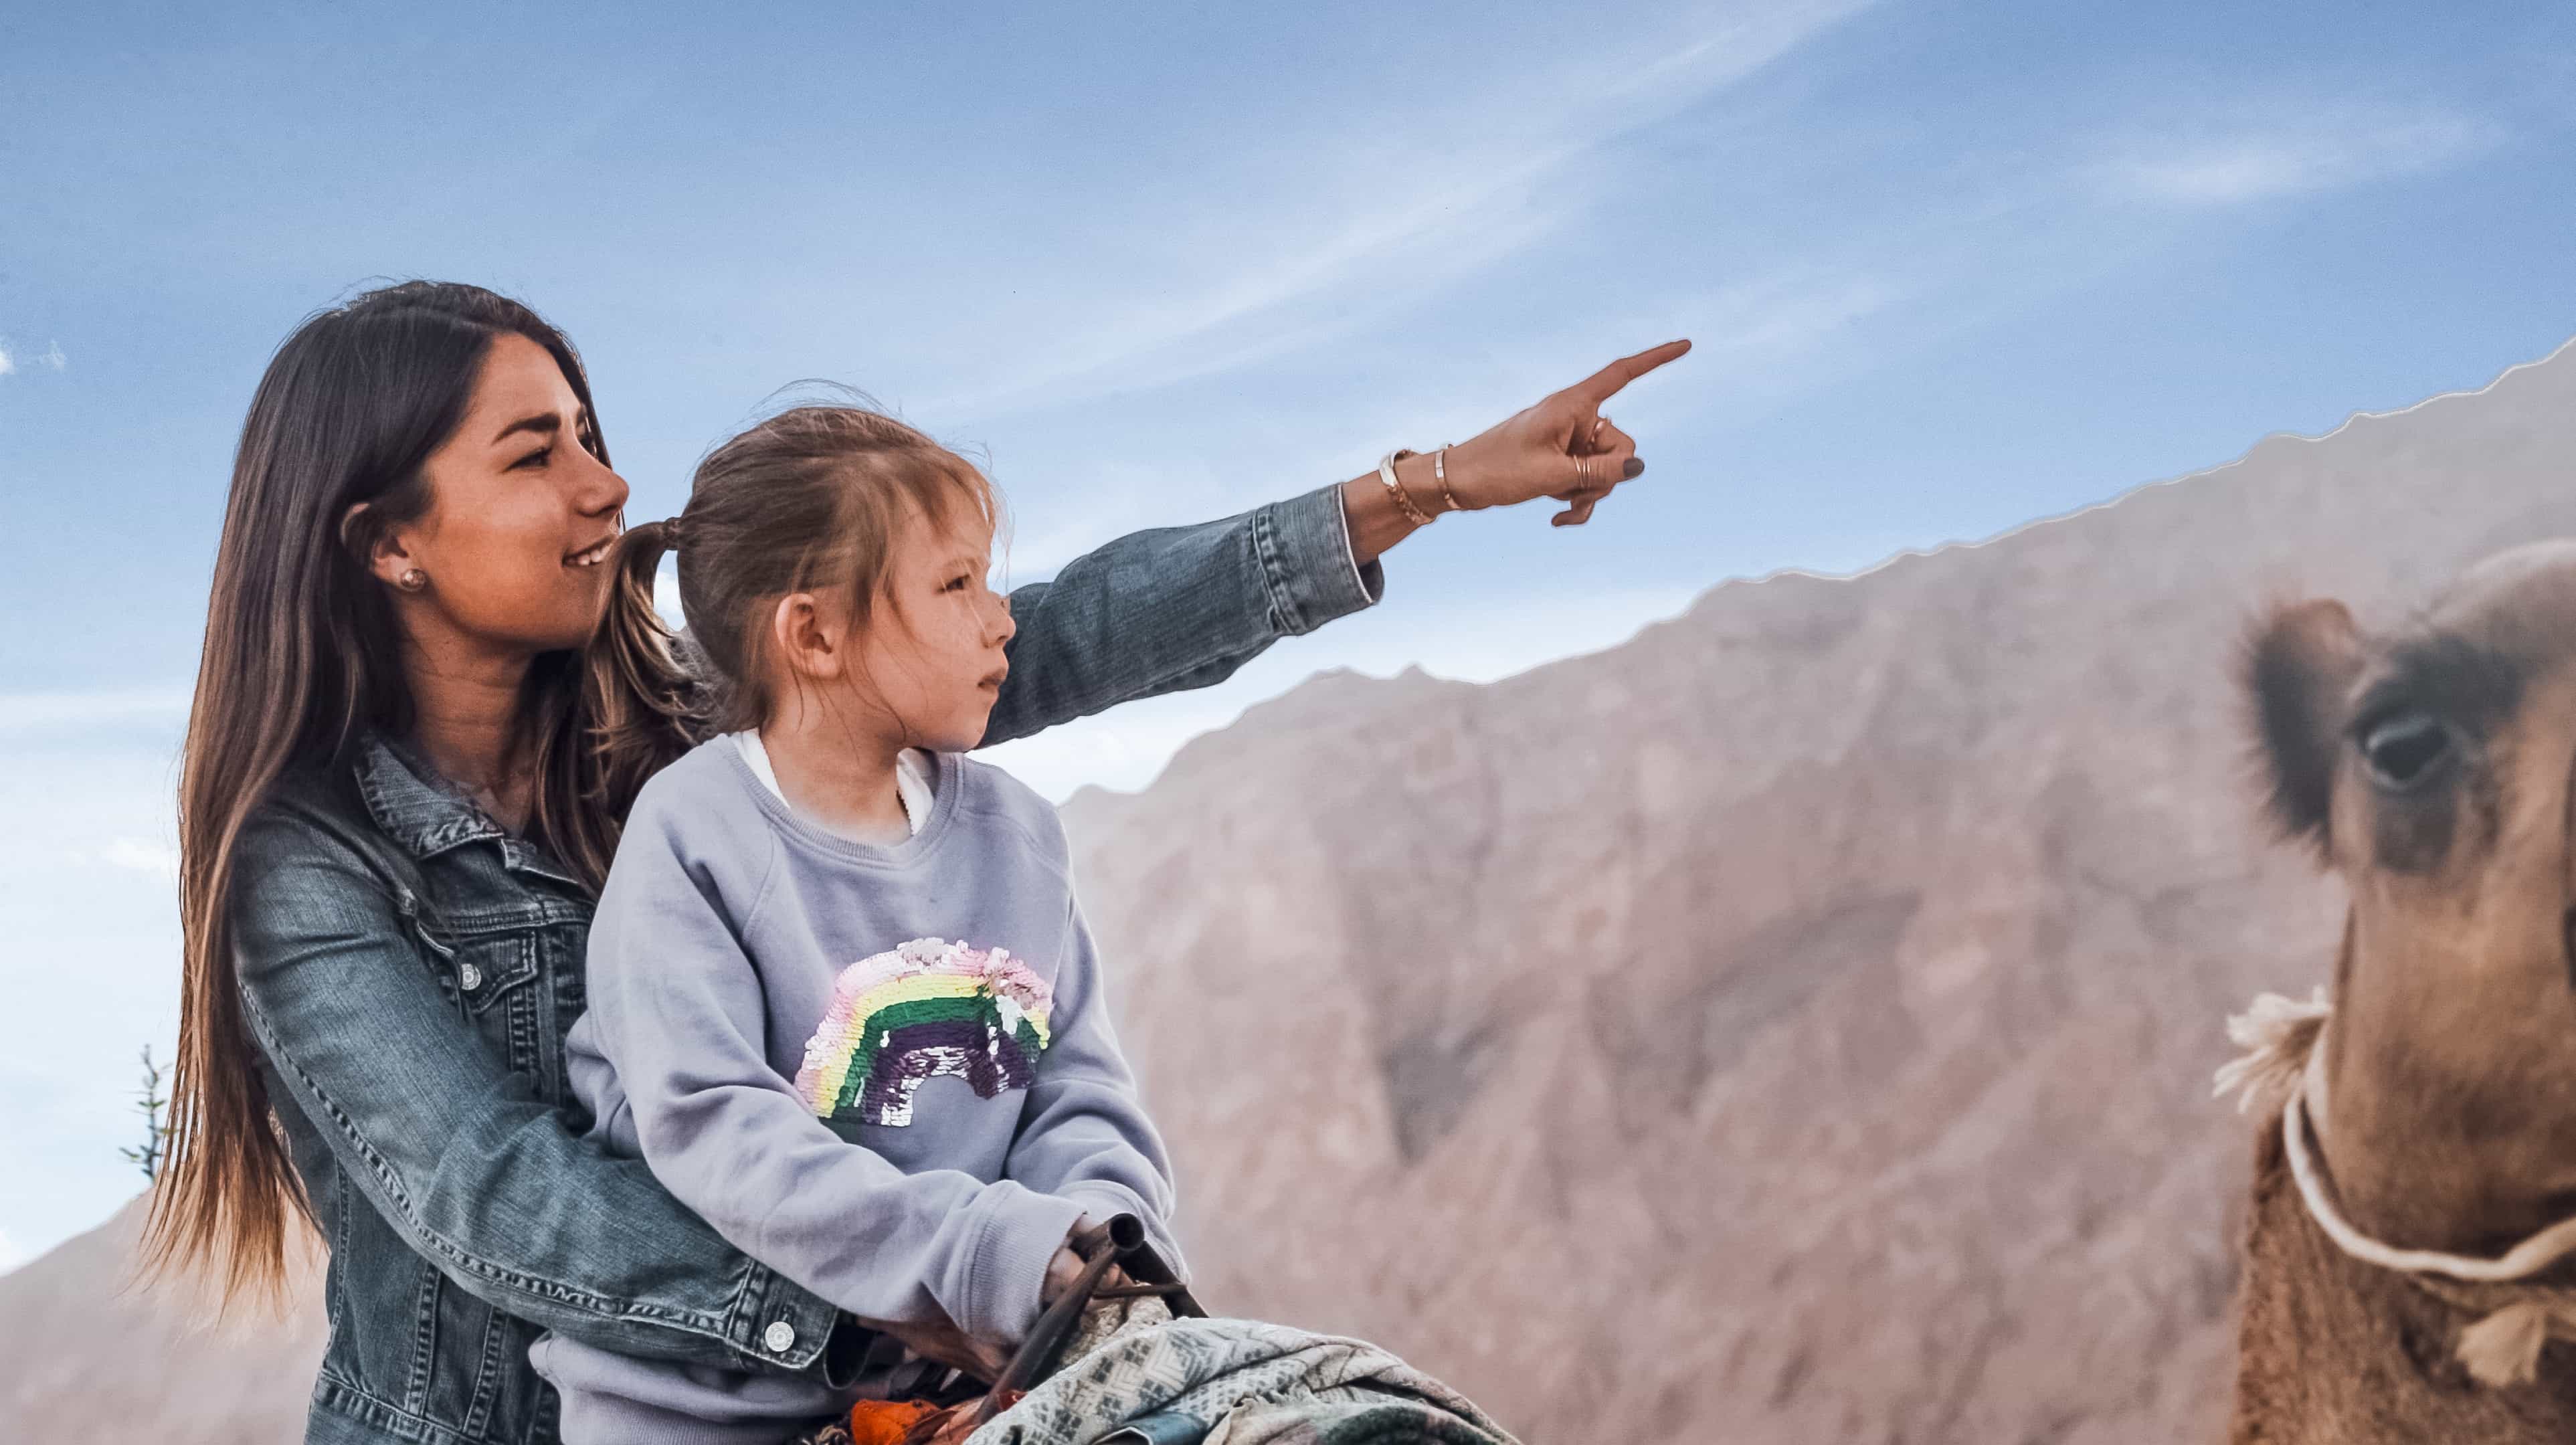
592 555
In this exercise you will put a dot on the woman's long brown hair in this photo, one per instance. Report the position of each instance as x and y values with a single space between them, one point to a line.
301 662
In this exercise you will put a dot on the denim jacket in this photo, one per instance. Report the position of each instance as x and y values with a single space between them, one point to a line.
408 970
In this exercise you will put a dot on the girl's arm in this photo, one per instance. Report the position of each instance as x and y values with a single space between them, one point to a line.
1083 1135
458 1152
674 1000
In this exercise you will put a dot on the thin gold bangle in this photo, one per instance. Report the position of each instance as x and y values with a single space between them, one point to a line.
1395 489
1440 474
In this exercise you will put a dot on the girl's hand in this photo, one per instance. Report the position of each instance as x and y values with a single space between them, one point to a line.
1065 1270
1062 1272
940 1340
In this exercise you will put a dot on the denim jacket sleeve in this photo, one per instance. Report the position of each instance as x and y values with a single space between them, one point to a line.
457 1152
1174 608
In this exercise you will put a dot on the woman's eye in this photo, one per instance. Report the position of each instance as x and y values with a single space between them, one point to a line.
2403 750
535 458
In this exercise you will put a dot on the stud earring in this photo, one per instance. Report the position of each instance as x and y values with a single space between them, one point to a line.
412 580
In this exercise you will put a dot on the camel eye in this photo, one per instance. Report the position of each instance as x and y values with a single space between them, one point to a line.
2403 750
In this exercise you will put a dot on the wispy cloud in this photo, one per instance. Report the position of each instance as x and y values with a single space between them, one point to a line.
1359 223
1790 312
141 855
1105 499
51 358
10 1255
2294 155
25 713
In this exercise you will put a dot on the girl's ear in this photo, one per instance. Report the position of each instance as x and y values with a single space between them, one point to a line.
808 637
387 559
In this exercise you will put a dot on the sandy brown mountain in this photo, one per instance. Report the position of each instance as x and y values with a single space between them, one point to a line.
85 1362
1793 1025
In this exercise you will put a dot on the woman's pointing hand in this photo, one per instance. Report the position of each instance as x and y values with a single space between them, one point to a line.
1562 447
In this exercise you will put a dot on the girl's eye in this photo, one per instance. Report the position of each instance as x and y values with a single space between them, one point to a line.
957 584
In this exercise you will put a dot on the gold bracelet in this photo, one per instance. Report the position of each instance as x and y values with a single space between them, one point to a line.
1395 489
1440 474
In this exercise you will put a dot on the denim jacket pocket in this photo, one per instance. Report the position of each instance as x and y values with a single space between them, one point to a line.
492 968
488 974
478 970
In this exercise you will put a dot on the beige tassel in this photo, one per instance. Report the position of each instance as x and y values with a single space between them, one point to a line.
2276 1034
2504 1348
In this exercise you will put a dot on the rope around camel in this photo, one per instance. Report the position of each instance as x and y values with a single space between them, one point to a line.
2284 1060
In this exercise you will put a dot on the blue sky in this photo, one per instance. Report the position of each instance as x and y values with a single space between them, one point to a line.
1949 268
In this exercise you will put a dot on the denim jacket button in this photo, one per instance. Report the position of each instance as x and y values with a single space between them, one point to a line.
469 978
781 1337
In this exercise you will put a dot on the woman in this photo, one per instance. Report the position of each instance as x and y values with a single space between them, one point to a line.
399 793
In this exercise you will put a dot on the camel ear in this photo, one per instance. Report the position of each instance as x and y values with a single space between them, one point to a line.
2298 671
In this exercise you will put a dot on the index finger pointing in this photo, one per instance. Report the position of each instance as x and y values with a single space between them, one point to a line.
1604 384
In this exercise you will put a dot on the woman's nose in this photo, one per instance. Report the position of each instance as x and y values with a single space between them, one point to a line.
600 490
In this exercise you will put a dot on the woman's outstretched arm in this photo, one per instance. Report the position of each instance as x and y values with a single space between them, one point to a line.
1175 608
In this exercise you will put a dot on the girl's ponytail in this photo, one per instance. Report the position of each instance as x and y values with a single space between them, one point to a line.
641 706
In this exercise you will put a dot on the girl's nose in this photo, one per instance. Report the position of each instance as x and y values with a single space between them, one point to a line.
1003 628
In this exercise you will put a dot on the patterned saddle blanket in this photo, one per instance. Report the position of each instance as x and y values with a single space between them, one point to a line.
1237 1382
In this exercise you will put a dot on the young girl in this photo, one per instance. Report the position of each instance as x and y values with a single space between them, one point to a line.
842 1000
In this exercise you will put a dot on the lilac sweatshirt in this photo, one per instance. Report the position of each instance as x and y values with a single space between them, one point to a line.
887 1072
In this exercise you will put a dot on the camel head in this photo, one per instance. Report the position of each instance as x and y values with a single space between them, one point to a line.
2434 770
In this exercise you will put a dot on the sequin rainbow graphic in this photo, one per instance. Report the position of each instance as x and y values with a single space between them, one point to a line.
918 1010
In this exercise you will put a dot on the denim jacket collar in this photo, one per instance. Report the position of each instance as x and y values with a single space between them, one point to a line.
423 817
427 817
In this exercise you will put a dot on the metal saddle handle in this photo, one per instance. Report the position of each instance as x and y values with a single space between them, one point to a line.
1120 1241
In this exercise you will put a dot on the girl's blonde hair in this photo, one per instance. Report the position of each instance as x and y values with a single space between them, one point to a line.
815 497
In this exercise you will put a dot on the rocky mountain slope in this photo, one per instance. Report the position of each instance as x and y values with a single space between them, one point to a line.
1792 1025
1795 1024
